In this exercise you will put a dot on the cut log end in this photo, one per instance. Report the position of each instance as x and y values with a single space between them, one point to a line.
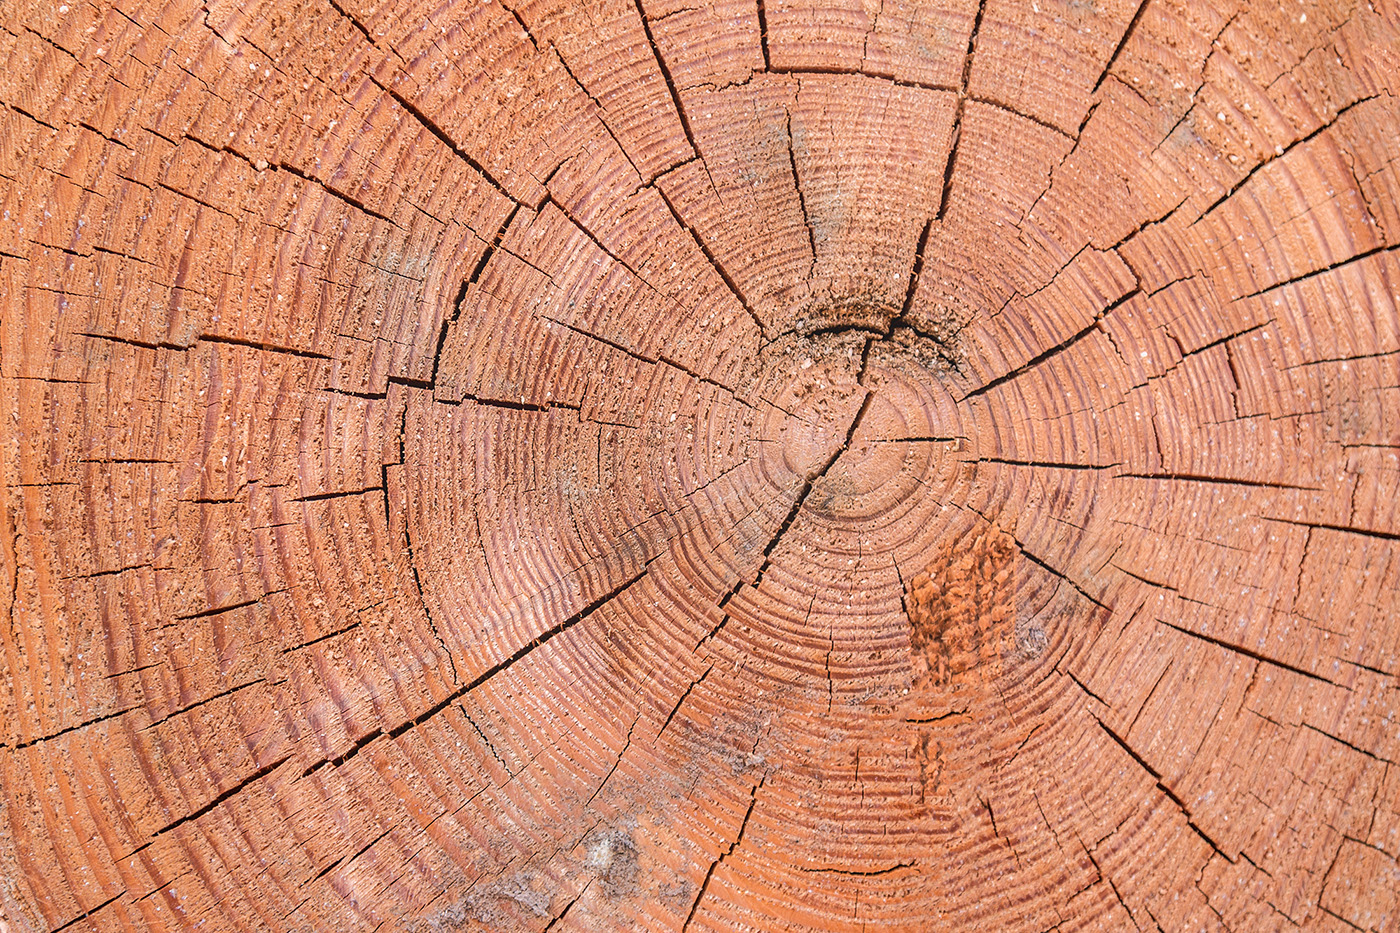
626 465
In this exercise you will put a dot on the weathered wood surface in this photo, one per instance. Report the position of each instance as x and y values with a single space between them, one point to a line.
635 465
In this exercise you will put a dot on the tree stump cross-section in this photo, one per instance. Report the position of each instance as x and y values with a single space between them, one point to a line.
636 465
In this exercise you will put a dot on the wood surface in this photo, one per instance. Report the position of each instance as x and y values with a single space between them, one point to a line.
844 465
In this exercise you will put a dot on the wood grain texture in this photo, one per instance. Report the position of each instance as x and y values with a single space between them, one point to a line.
805 465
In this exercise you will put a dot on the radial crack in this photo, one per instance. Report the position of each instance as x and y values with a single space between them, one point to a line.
626 745
1029 117
856 873
88 913
1221 480
676 709
670 85
1345 529
1249 653
763 34
198 703
914 272
1052 570
705 885
718 266
956 133
235 789
1062 346
1302 140
346 860
354 21
336 193
862 72
432 127
1367 254
809 483
82 725
499 667
1162 786
567 907
477 271
1047 464
801 198
1118 50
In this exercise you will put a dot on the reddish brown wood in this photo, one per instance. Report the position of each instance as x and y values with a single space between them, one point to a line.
796 465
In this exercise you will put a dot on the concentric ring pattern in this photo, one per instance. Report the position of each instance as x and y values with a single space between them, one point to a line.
804 465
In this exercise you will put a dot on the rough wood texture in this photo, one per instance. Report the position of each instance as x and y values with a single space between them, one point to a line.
621 464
